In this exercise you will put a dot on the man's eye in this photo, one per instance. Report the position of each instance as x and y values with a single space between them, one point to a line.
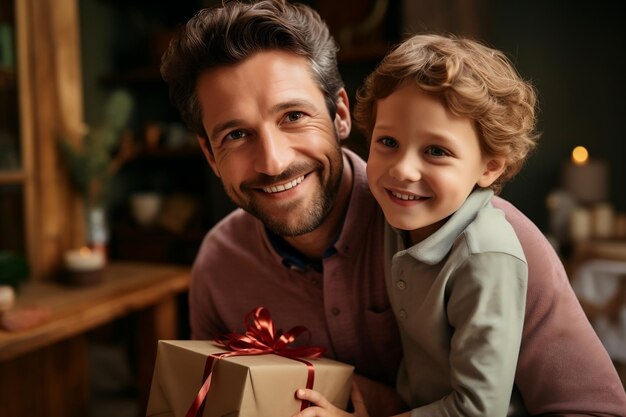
388 142
294 116
235 134
436 151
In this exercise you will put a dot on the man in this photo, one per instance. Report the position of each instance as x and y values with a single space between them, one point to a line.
259 85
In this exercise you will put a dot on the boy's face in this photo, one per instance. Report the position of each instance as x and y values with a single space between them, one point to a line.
271 140
424 161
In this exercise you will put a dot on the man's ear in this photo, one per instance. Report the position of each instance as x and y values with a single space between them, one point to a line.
493 169
208 153
343 123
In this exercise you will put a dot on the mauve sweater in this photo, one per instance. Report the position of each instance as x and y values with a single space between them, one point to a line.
563 369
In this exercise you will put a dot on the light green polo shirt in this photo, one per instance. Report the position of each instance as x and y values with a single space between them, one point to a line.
459 299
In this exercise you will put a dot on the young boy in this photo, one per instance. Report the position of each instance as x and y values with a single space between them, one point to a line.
450 121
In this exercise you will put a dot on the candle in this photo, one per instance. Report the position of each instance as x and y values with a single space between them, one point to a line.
603 221
586 179
7 297
84 259
580 224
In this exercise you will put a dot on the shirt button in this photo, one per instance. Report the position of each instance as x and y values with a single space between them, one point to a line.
335 311
401 285
402 313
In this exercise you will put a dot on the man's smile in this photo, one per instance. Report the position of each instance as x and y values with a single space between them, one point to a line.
282 187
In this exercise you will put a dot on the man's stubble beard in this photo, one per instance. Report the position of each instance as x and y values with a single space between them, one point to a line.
313 215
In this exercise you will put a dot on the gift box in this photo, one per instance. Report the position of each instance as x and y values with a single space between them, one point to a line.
261 385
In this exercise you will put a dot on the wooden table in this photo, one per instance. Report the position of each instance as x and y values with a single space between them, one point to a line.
44 370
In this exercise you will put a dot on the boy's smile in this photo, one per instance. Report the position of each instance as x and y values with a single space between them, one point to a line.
406 197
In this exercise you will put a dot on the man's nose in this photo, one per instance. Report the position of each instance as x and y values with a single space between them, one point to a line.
406 168
273 152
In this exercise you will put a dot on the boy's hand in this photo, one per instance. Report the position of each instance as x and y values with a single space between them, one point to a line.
323 408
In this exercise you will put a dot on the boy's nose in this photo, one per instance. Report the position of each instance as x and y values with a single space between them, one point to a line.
273 153
406 168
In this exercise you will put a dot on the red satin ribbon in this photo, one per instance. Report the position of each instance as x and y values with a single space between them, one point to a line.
260 338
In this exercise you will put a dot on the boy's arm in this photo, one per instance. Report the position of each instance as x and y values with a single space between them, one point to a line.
322 408
485 309
369 399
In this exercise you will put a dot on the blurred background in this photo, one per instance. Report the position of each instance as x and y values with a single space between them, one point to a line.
569 50
93 153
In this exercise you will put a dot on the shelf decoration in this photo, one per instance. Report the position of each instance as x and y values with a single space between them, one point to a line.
580 209
83 266
92 166
586 179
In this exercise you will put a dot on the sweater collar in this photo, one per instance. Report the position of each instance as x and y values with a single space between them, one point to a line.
361 205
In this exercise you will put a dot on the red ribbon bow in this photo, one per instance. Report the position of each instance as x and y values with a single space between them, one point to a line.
260 338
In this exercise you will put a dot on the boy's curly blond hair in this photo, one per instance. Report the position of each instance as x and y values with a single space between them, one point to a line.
473 81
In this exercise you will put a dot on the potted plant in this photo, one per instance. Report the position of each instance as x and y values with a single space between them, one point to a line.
91 165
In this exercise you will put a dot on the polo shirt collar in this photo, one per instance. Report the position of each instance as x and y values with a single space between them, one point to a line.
434 248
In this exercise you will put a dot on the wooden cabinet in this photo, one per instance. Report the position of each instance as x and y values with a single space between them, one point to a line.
41 98
13 182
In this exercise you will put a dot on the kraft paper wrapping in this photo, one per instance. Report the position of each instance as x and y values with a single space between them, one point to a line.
242 386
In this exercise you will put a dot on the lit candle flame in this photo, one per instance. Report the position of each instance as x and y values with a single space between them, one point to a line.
580 155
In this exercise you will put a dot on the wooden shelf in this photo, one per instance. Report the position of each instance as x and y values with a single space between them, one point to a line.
53 357
192 152
154 244
145 75
611 249
11 177
7 78
126 287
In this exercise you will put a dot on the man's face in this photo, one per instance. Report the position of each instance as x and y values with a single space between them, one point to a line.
271 140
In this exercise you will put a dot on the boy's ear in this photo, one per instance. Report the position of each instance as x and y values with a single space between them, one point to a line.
342 121
493 169
208 153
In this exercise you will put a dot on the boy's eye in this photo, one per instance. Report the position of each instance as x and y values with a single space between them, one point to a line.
388 142
436 151
236 134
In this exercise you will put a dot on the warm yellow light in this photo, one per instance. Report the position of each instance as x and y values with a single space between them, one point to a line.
84 251
580 155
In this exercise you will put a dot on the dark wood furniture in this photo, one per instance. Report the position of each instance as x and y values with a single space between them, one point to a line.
44 370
